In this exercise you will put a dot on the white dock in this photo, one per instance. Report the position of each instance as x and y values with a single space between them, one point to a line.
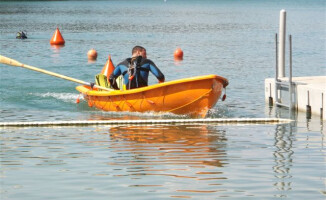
305 94
309 91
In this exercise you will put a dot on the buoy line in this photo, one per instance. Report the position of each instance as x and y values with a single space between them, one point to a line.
146 122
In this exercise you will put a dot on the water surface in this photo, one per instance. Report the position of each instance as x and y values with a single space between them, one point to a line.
165 162
234 39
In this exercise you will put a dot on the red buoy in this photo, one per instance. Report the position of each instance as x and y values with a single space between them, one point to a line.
57 38
178 54
224 97
92 54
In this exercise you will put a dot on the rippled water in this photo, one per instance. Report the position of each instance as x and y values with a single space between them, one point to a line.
146 162
234 39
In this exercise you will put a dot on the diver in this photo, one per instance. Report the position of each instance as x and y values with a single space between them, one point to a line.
135 70
21 35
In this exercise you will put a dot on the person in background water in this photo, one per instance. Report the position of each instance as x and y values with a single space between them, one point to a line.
135 70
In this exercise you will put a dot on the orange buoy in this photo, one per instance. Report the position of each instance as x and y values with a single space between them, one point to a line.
57 38
178 54
92 54
108 68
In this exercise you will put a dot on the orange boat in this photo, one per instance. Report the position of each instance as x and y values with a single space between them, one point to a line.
190 96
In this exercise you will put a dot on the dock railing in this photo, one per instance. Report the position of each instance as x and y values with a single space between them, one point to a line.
284 85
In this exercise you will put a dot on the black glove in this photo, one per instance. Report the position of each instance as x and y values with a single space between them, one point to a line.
113 83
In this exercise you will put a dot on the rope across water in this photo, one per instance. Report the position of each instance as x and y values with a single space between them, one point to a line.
146 122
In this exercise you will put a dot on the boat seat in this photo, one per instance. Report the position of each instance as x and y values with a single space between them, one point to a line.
120 84
102 80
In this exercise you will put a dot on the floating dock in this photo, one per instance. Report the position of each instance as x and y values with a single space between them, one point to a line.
305 94
308 94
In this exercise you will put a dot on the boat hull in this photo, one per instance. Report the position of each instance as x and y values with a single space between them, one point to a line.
191 96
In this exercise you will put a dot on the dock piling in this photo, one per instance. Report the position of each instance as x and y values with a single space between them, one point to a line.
308 107
322 106
270 99
281 50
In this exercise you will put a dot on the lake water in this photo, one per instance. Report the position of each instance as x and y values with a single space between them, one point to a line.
234 39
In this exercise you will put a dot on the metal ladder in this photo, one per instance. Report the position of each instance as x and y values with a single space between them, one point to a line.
284 86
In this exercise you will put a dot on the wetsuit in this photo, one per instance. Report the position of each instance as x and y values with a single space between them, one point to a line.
135 72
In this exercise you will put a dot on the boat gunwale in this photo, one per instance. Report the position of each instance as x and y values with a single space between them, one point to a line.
86 89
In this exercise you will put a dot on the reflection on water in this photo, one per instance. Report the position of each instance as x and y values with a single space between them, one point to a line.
194 145
180 152
300 120
161 161
56 48
283 157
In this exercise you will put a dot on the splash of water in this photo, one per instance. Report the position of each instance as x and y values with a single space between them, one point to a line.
65 97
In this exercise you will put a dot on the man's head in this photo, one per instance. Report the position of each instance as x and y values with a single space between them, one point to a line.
139 51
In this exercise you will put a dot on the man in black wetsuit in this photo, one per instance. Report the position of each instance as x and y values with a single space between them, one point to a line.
135 70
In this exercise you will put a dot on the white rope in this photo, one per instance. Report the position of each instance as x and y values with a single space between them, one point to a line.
147 122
